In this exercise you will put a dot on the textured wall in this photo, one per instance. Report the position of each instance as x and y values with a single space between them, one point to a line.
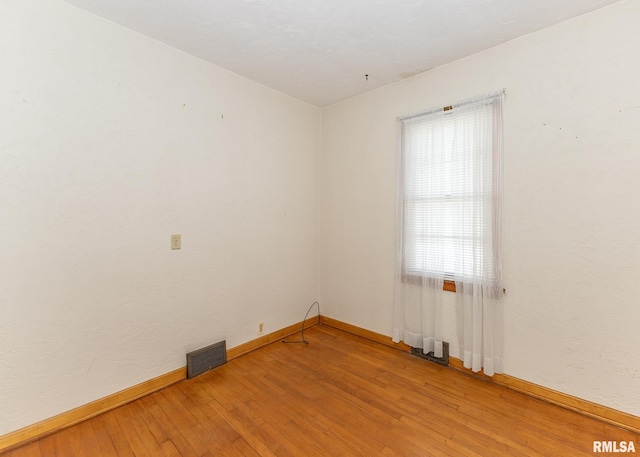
319 51
572 229
110 142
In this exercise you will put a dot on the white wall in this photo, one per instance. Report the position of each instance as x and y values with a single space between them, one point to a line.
572 225
109 143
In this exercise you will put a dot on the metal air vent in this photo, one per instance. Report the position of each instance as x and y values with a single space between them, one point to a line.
207 358
444 360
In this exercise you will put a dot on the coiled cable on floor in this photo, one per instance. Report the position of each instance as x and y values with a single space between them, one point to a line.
303 340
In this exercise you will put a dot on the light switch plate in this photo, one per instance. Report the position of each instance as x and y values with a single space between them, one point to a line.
176 242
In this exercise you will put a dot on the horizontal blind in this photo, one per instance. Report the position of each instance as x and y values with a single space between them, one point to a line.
448 188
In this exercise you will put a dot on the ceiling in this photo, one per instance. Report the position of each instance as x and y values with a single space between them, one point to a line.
320 51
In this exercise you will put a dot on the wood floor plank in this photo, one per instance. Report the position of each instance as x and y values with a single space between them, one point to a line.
20 452
181 419
153 411
141 427
103 436
31 450
47 446
124 416
169 449
287 411
160 435
338 395
216 433
92 442
118 438
324 409
245 448
65 444
370 414
250 433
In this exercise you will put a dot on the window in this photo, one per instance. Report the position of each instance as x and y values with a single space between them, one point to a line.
451 188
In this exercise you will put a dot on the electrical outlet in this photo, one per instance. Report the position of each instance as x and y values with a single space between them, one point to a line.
176 242
260 328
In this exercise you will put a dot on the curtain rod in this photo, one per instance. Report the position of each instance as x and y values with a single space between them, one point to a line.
468 101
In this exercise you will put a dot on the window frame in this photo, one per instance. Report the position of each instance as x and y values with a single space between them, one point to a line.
449 283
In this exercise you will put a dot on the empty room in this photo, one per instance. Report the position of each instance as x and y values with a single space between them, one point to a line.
313 227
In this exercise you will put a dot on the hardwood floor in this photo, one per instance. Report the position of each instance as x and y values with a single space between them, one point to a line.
341 395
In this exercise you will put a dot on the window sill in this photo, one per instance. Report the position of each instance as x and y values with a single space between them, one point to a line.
449 286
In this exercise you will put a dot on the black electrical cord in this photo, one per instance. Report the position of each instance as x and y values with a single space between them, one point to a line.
303 322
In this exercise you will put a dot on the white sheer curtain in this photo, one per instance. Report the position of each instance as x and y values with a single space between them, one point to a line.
449 228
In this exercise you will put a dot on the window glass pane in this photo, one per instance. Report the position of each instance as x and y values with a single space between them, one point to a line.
447 160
